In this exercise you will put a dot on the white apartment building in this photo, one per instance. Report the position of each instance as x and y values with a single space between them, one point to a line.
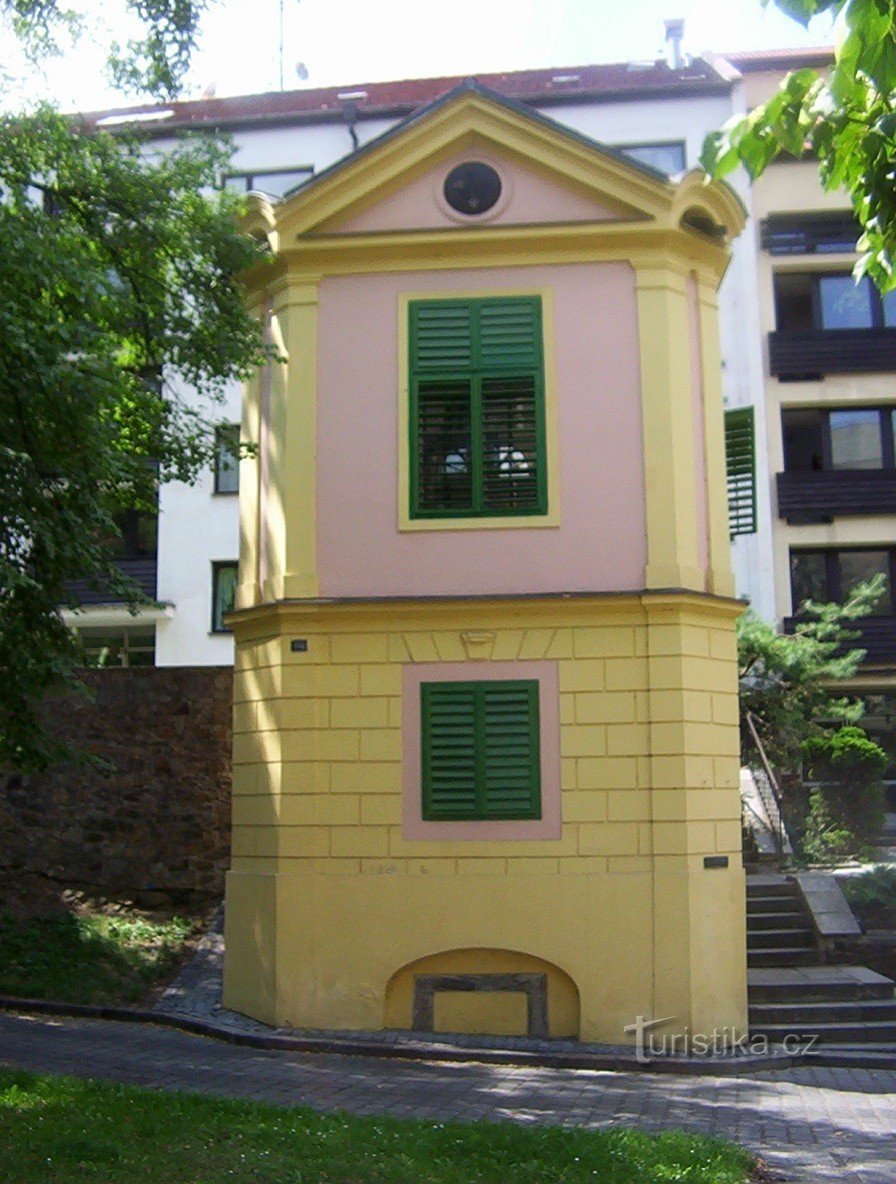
656 112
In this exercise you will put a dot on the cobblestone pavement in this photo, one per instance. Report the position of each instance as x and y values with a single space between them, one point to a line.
811 1126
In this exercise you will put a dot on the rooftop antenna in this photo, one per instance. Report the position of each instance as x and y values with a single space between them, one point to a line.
282 10
674 38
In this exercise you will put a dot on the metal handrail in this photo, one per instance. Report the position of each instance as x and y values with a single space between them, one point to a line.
772 807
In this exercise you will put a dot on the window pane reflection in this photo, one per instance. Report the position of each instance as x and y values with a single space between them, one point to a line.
844 303
855 440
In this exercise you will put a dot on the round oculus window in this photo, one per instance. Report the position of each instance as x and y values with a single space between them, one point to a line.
472 188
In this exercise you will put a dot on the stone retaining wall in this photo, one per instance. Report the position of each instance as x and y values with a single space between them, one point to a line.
153 822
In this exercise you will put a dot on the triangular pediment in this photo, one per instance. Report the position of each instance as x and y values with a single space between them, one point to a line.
526 196
549 174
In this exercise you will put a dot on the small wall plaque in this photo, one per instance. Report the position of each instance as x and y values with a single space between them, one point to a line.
715 860
299 645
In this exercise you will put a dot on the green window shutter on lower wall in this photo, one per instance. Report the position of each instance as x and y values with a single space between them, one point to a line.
480 750
477 430
740 460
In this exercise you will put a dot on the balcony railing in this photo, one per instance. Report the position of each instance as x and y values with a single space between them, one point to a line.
831 351
808 496
877 635
141 571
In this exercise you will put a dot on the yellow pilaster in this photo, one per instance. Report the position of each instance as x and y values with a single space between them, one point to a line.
698 915
248 591
290 566
669 462
721 579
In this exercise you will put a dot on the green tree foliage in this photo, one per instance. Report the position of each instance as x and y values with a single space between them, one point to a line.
846 805
788 682
117 291
846 120
154 60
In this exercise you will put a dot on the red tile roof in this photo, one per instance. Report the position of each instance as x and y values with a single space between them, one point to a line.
578 83
755 60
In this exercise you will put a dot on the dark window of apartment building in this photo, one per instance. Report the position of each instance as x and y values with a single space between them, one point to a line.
831 574
810 234
127 645
806 301
667 157
227 458
224 577
273 182
822 440
829 324
138 537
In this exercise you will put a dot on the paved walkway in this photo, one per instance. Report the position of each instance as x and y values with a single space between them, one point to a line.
813 1126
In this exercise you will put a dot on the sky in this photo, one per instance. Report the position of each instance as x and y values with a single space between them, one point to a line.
351 41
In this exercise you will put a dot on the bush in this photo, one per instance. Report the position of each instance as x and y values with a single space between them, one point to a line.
846 807
874 888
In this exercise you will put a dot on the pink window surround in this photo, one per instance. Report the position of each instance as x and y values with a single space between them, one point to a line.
549 826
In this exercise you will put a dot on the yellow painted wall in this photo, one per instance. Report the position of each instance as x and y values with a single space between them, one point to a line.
326 901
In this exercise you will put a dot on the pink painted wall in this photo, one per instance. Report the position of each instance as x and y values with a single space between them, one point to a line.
526 198
600 544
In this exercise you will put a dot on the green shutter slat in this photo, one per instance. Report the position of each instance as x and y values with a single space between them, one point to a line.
510 333
740 461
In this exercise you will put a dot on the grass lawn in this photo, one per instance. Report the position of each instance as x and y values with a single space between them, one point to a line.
57 1130
86 956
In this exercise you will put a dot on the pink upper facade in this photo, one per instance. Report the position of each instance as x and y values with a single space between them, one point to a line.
490 300
592 348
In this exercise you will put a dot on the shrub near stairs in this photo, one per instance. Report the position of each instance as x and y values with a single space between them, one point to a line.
846 806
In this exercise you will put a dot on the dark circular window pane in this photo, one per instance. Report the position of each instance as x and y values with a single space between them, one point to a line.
472 188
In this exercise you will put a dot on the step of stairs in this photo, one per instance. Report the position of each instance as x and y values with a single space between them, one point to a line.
776 920
873 1032
843 1011
769 885
762 905
816 984
853 1056
786 956
779 938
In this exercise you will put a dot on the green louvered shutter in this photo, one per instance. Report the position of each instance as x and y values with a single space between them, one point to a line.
477 431
448 734
441 335
480 750
740 461
510 762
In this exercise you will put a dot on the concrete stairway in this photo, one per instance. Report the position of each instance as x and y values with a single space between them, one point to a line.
778 931
849 1010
